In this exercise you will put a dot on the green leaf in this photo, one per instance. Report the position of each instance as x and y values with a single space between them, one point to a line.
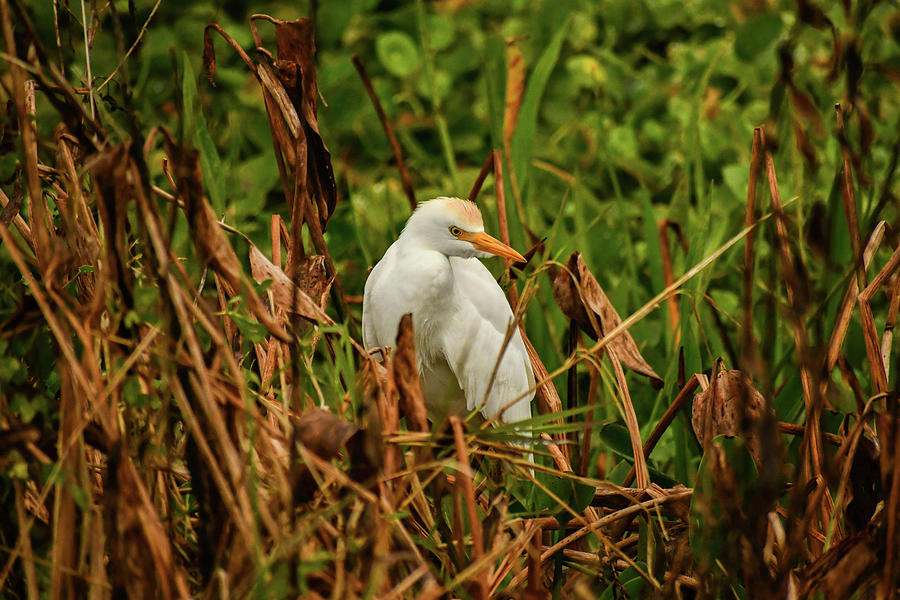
582 495
756 35
710 529
441 31
81 497
541 500
622 143
629 582
736 177
618 472
574 494
196 131
586 71
249 328
27 409
616 438
397 53
132 318
442 85
132 394
19 469
523 140
11 370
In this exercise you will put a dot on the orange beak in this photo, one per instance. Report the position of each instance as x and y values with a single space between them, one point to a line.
486 243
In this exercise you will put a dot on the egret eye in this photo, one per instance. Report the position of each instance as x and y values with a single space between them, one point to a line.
455 231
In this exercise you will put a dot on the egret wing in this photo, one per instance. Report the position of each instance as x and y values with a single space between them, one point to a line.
474 339
417 282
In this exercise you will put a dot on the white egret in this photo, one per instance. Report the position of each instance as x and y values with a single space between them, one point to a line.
460 315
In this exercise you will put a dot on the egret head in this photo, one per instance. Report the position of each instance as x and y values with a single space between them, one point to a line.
455 228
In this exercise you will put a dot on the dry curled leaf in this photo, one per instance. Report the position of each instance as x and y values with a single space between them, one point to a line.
845 569
297 94
292 97
322 432
288 296
577 292
406 377
325 434
132 522
730 406
110 171
296 45
311 276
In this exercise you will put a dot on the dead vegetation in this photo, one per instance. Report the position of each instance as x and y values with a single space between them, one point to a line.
190 460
